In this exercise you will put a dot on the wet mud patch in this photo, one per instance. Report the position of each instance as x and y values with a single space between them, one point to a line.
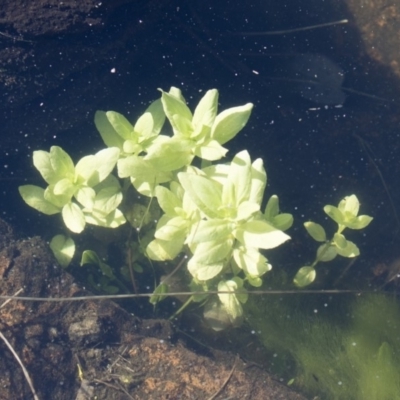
81 349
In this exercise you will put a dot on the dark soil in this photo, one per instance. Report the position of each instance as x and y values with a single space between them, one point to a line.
77 350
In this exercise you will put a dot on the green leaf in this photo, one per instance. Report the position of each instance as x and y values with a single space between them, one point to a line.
212 252
211 230
62 163
211 151
326 252
34 197
204 192
360 222
335 214
112 220
144 176
246 210
86 196
63 249
206 110
260 234
339 240
230 301
204 272
64 187
258 181
272 208
91 257
238 183
283 221
158 293
349 205
161 250
316 231
94 169
171 155
305 276
121 125
251 261
107 132
151 122
174 229
229 122
174 105
350 250
73 217
167 200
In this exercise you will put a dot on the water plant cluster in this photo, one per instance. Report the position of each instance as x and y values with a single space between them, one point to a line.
211 210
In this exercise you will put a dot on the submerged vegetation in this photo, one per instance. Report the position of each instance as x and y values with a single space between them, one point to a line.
172 196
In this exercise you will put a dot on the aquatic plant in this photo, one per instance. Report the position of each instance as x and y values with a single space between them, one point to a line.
351 352
211 211
346 216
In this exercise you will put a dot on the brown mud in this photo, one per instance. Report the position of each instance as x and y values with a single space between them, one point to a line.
95 349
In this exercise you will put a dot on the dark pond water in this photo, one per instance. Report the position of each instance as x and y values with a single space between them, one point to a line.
319 143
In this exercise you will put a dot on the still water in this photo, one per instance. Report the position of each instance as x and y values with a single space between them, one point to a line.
325 122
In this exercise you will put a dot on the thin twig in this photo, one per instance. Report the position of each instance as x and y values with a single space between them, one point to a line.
226 381
25 372
8 344
130 296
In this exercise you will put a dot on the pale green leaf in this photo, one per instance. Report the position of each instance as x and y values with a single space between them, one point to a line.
64 187
339 240
121 125
335 214
350 250
107 132
107 200
350 205
167 200
85 196
174 229
212 252
63 249
204 192
326 252
204 272
150 123
283 221
93 169
206 110
260 234
230 301
34 197
41 161
305 276
161 250
245 210
174 105
62 163
73 217
211 151
171 155
251 261
238 184
272 208
316 231
57 200
211 230
229 122
112 220
158 293
258 181
360 222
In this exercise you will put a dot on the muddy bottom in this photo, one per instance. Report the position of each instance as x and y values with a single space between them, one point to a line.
94 349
